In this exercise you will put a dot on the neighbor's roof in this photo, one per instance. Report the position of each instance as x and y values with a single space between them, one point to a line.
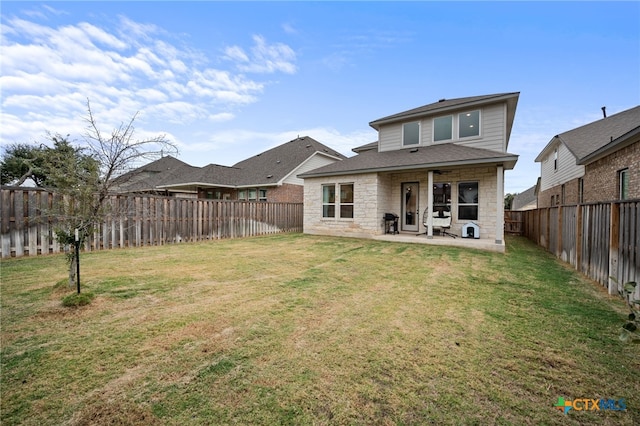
149 176
264 169
425 157
524 198
272 166
591 141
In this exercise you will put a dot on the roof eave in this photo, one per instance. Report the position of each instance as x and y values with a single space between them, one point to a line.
508 162
196 184
437 111
555 141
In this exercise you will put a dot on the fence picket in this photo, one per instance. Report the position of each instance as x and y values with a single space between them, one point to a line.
28 217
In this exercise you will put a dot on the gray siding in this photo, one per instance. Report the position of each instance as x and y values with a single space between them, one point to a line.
492 129
567 169
492 132
390 137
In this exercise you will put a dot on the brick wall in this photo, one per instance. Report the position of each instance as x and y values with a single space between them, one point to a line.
287 193
601 180
571 194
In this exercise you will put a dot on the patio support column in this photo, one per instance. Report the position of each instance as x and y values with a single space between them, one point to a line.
500 205
430 205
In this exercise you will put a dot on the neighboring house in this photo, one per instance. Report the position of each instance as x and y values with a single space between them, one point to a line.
525 200
268 176
449 155
599 161
146 179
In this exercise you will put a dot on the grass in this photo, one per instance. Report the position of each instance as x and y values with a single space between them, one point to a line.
297 329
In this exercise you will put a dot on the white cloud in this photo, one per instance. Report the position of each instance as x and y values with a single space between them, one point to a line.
50 71
264 58
289 28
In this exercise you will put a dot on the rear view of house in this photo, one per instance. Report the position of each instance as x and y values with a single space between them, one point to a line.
446 158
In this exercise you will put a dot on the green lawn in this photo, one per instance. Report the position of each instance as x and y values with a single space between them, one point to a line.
298 329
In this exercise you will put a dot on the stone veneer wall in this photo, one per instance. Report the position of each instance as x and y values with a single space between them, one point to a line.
366 201
375 195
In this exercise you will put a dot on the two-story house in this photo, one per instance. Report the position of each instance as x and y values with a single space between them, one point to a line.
595 162
448 156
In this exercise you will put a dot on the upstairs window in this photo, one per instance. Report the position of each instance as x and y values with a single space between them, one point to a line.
468 200
443 128
555 160
469 124
411 133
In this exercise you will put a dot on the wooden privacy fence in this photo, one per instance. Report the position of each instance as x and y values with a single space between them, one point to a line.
28 218
600 240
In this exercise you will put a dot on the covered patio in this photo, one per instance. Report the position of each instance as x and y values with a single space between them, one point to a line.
443 240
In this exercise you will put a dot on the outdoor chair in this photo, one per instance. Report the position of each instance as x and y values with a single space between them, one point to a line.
441 220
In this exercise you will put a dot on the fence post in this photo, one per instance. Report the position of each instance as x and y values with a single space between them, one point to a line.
579 237
614 239
560 230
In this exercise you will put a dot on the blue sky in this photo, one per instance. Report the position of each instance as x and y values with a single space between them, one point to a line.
225 80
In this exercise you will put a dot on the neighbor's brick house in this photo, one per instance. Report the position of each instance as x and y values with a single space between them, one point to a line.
599 161
269 176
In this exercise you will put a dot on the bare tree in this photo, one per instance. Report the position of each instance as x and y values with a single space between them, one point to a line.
85 206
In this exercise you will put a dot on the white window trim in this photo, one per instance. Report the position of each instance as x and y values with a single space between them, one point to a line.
340 204
476 204
334 204
433 129
419 133
337 204
457 125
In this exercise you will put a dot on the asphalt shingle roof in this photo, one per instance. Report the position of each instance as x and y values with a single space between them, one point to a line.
280 161
432 156
149 176
443 105
585 140
266 168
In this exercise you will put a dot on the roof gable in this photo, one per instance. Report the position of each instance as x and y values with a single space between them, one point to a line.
447 105
586 140
274 165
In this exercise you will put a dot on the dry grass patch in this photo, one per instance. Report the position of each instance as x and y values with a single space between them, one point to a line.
296 329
